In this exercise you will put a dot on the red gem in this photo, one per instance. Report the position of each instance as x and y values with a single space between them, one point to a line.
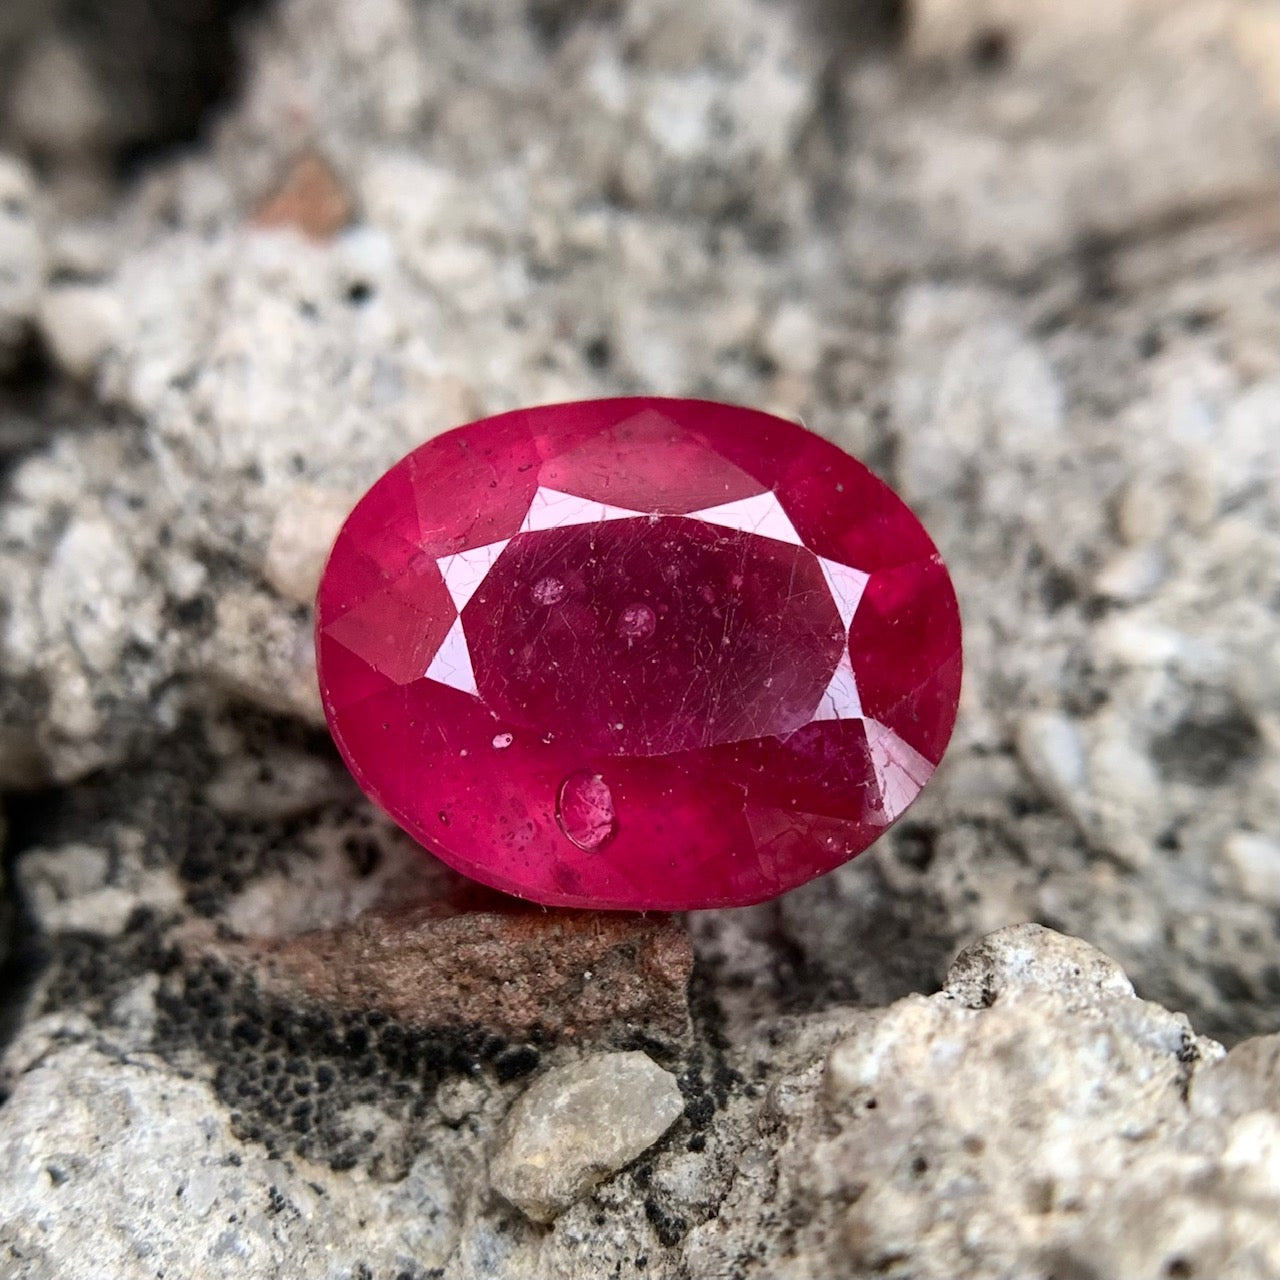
638 653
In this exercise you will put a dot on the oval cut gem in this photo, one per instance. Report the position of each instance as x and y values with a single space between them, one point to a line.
638 653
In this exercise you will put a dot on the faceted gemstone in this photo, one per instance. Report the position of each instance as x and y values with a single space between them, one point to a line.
638 653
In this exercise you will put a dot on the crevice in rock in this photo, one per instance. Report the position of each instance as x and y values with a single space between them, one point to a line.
859 28
28 382
127 81
20 959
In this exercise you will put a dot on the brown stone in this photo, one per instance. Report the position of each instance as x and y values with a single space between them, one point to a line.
311 199
575 974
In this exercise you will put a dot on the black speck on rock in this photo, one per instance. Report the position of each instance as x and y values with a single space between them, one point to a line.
1208 745
670 1227
516 1062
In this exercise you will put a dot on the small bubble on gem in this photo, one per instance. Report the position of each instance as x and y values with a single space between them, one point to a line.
501 740
585 812
548 590
444 818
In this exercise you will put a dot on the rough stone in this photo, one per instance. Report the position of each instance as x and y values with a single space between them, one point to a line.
577 1125
75 888
1255 859
1001 170
304 530
311 199
83 1121
78 323
6 908
1027 956
569 974
995 1127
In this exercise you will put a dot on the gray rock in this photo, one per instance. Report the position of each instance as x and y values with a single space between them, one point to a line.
81 888
579 1124
82 1121
1015 1124
1246 1081
1028 956
79 323
1005 169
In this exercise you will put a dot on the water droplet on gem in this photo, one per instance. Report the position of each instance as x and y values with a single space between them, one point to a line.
548 590
501 740
585 812
444 818
637 622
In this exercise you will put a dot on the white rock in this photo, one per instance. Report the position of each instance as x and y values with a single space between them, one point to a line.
1002 178
1099 777
1000 1121
304 530
1051 746
1029 957
1133 574
79 888
460 1097
79 1124
79 322
793 340
1255 860
57 104
577 1125
265 655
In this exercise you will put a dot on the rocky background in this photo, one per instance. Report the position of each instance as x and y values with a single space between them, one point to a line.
1020 256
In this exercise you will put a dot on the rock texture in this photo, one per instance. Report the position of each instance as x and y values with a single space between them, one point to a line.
1020 257
1033 1118
517 972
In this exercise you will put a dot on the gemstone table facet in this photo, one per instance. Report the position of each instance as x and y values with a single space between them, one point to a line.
638 653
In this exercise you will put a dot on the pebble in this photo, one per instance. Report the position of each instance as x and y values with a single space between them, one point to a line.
579 1124
78 323
1030 957
1255 859
305 527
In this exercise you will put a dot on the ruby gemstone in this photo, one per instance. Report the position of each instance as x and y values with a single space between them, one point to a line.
638 653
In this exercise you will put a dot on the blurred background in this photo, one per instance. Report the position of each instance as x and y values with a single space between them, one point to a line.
1020 256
